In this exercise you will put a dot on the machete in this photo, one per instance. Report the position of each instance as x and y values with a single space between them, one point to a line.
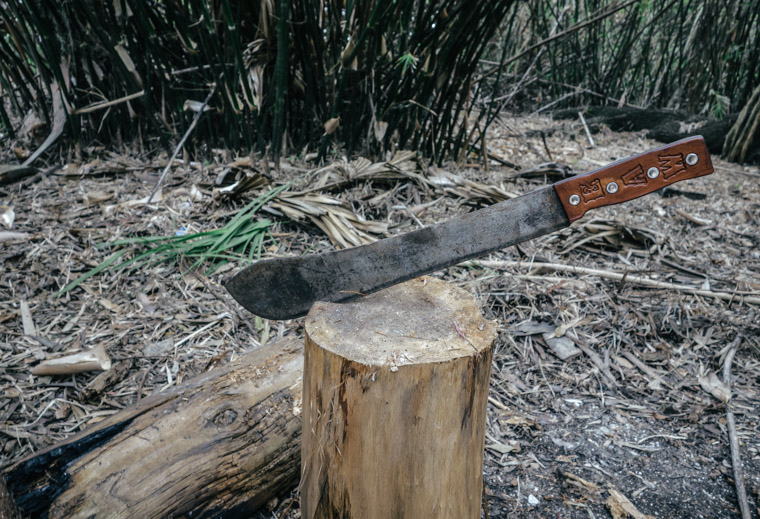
285 288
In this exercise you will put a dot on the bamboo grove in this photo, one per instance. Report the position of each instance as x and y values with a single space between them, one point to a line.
695 55
361 76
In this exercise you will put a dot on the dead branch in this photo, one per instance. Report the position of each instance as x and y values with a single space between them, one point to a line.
736 461
59 122
181 143
742 298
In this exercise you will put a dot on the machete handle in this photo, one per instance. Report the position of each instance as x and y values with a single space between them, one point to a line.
635 176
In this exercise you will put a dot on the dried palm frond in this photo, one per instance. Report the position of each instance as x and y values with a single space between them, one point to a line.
236 182
403 165
334 217
612 234
475 193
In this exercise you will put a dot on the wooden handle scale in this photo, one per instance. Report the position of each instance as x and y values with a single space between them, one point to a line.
635 176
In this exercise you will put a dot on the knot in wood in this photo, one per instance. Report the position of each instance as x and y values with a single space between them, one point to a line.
225 418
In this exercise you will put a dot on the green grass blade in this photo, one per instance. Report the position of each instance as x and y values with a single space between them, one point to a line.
84 277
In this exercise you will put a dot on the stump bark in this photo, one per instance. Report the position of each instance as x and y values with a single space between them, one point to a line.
395 391
220 445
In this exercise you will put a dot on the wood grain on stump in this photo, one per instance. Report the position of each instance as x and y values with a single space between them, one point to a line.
395 390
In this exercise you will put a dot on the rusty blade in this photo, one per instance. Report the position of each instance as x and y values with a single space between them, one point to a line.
285 288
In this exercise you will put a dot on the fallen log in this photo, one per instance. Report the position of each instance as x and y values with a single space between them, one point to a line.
661 125
8 509
11 172
222 444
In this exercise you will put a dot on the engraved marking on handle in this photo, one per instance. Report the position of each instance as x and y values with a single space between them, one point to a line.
671 165
591 191
634 177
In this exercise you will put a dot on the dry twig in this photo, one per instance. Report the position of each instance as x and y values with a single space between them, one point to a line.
105 104
588 132
599 363
752 298
181 143
736 461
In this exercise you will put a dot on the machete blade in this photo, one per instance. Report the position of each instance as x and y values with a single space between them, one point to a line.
286 288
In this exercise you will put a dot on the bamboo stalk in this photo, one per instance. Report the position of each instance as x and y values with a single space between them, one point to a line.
281 78
342 56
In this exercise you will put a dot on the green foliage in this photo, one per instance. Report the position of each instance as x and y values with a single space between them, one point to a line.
720 106
407 61
241 239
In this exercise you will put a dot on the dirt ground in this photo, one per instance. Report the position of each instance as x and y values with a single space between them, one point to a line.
636 411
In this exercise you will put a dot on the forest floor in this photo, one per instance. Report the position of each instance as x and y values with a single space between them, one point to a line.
636 410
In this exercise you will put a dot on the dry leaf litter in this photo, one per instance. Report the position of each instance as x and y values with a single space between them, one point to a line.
606 396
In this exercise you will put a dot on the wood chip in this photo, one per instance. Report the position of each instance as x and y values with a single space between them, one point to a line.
621 507
26 319
712 384
95 359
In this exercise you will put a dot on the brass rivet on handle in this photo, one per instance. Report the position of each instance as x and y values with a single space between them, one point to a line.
612 188
692 159
574 200
653 172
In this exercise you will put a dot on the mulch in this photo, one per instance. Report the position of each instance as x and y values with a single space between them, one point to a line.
606 382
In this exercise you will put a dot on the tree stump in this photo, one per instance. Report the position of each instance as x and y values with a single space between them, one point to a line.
395 390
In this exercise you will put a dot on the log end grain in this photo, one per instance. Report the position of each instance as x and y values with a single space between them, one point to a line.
420 321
